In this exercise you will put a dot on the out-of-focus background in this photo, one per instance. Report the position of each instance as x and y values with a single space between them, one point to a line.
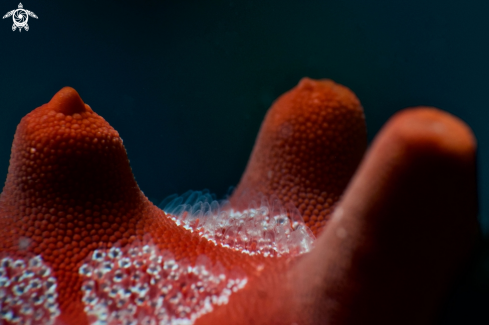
187 83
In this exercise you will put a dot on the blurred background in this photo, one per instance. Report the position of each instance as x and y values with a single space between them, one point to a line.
187 83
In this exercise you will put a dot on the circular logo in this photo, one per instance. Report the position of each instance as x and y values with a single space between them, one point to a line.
20 17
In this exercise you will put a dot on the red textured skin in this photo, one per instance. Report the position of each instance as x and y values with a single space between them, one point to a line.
70 190
309 146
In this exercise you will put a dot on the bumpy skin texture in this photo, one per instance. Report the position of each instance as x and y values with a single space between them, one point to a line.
392 241
70 190
309 145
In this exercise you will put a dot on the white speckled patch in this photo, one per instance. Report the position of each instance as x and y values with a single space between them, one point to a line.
27 292
141 285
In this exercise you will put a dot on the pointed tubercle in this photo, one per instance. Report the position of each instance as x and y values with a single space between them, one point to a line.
68 102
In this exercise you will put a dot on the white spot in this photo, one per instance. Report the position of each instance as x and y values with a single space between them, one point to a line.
438 127
338 213
24 243
260 267
341 233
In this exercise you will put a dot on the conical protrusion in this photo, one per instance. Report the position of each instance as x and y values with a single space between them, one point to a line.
407 224
309 146
68 102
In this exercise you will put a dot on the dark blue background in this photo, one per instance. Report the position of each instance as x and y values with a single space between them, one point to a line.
187 83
